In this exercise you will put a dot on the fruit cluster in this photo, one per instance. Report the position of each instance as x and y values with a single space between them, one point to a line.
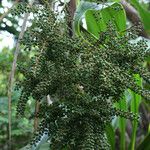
84 79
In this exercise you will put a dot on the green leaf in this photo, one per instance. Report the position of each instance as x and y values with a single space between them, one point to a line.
121 122
81 9
98 16
97 20
95 25
136 100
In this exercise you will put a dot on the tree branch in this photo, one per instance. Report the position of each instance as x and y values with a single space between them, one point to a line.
72 8
133 16
12 73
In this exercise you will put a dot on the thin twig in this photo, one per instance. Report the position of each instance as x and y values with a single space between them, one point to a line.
12 73
7 12
36 120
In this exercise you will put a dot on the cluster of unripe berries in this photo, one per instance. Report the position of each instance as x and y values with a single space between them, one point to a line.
84 79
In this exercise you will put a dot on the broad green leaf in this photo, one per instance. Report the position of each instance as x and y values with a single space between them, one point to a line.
144 14
97 20
81 9
116 14
95 25
97 17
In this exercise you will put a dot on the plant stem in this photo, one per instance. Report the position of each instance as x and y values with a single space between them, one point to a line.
36 122
134 123
133 137
122 122
72 8
12 74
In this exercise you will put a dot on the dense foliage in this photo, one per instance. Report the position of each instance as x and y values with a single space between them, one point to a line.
84 78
